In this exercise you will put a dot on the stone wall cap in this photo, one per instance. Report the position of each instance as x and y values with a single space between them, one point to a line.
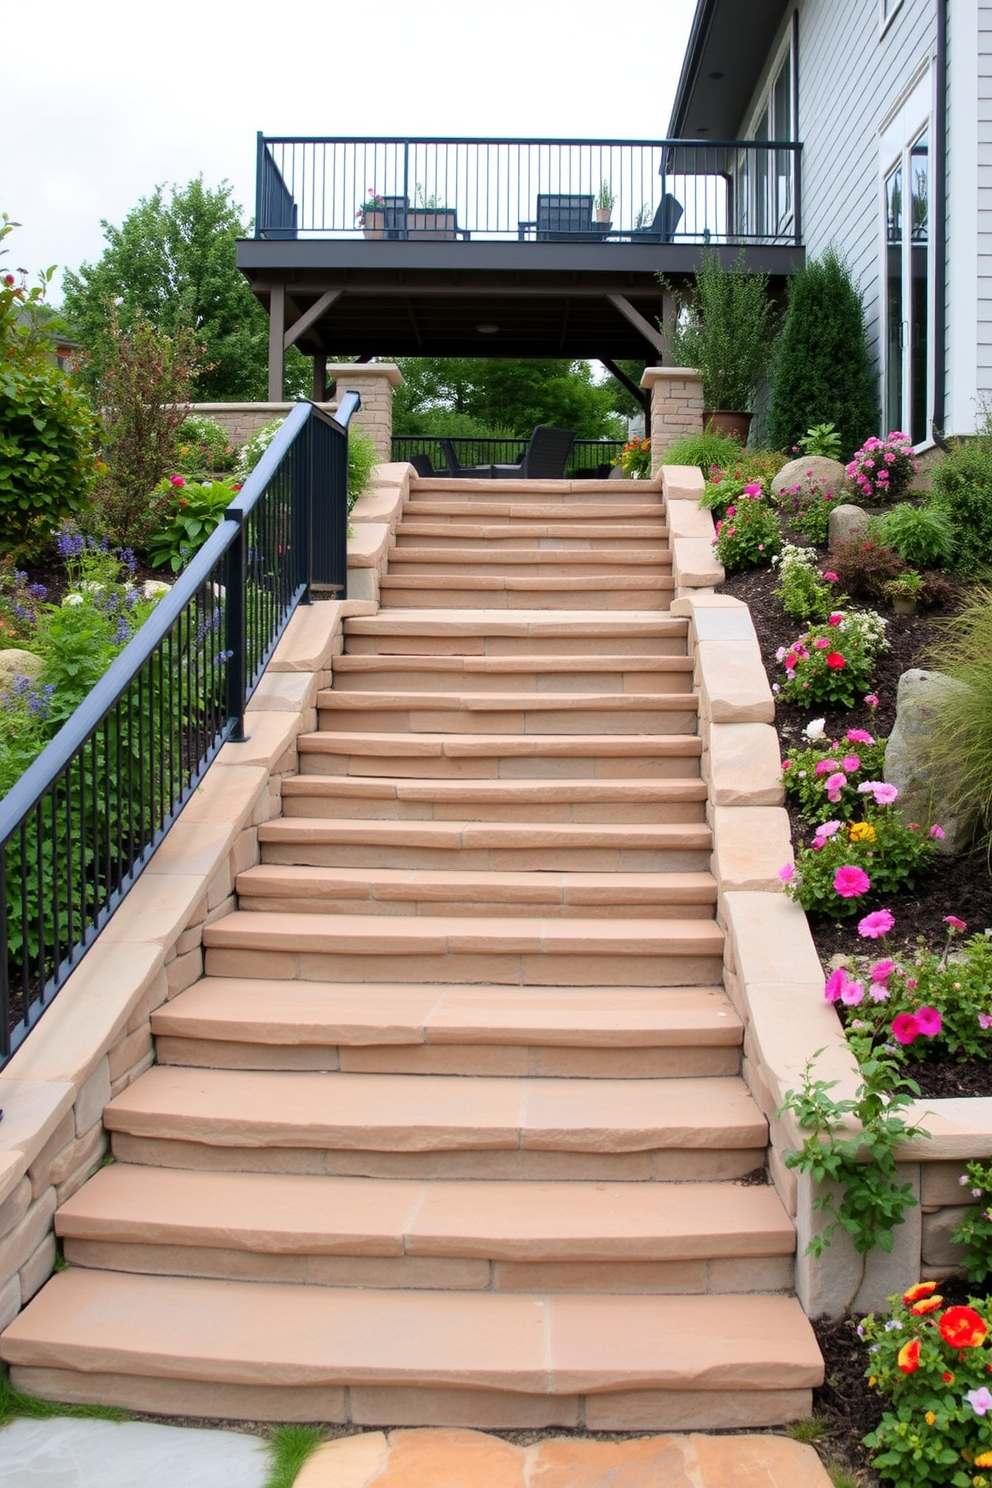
341 371
651 375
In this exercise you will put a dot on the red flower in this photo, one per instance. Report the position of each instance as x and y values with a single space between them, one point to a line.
909 1356
836 661
921 1289
962 1328
947 1377
928 1304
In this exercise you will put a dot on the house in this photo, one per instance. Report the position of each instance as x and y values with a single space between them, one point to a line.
892 100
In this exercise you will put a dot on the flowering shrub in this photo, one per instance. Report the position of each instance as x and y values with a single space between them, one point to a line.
830 665
809 506
19 604
858 757
804 591
202 444
863 564
844 862
635 459
194 511
748 536
373 203
883 468
933 1366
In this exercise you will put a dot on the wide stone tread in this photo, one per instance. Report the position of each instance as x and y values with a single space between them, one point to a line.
250 1109
325 1014
527 563
592 510
290 1336
538 584
482 835
479 532
509 702
282 1214
506 746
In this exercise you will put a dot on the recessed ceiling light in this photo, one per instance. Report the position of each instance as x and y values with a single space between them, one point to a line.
716 76
703 129
487 330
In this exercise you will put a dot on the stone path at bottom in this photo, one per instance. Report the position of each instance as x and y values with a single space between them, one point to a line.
67 1453
471 1459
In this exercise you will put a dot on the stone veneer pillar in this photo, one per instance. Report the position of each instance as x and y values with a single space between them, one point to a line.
375 382
676 407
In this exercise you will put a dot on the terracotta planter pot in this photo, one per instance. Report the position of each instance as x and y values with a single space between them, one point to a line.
603 215
373 224
720 421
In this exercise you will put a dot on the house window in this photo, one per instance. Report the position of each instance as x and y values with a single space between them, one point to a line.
907 348
767 179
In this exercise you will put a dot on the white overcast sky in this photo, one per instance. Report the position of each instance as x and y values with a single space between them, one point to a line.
109 98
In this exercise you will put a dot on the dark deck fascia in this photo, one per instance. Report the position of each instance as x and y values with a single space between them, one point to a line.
427 298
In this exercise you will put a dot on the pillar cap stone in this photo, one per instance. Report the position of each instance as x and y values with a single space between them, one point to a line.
652 375
388 370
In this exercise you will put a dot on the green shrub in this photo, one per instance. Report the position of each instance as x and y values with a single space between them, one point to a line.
883 468
203 445
362 458
808 506
822 440
960 752
923 535
710 451
195 509
804 592
725 326
823 370
961 488
748 536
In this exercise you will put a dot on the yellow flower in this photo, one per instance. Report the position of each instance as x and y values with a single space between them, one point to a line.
930 1418
984 1460
871 1379
861 832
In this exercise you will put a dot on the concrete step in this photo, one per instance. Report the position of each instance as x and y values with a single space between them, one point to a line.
513 951
397 799
267 1351
397 891
631 675
501 756
525 633
473 1236
410 1028
446 1126
508 592
658 847
527 562
434 507
469 712
546 536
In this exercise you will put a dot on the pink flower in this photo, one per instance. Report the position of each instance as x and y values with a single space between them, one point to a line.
821 643
836 661
882 970
731 511
937 833
835 984
836 782
851 881
176 480
884 794
955 924
787 872
858 736
827 829
984 1021
786 765
878 992
905 1028
871 698
876 924
823 766
850 762
836 617
754 489
929 1021
911 984
831 578
852 994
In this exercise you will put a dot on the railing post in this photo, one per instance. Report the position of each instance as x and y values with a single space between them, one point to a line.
406 185
235 638
259 168
797 180
304 477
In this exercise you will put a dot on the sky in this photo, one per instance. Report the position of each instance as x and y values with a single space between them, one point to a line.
112 98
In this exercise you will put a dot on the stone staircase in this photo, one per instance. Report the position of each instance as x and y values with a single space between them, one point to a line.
452 1130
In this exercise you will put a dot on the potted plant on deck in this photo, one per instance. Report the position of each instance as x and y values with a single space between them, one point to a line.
604 203
724 327
371 215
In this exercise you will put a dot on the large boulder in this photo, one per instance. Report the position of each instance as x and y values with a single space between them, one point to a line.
17 663
844 522
921 795
810 470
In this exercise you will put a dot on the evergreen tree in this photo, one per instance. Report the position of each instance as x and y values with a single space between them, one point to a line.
824 371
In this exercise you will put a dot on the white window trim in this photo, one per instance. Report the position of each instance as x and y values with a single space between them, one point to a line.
885 21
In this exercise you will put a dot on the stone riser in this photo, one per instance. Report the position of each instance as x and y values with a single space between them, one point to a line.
564 859
772 1274
671 1410
385 644
446 563
616 678
316 761
469 537
275 903
438 714
357 808
414 593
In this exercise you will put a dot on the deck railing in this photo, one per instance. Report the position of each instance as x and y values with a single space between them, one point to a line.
82 822
588 457
694 191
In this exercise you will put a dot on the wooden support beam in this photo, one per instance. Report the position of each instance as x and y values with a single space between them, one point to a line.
308 317
641 394
651 334
319 389
277 321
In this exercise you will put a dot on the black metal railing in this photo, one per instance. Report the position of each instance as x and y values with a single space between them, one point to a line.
81 823
588 457
691 191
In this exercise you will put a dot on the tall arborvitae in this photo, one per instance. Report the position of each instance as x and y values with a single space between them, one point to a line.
824 370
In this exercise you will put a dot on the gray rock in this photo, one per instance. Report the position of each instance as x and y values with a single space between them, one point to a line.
830 474
17 663
845 522
921 797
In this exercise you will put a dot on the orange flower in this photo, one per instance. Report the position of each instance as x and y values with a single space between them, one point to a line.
929 1304
922 1289
962 1328
984 1459
909 1356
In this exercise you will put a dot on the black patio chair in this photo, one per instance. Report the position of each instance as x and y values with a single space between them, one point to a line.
422 464
453 465
563 219
666 219
544 458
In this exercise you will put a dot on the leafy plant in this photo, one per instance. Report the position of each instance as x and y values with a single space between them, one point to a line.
975 1230
195 510
824 368
883 468
864 564
843 863
202 444
725 327
804 592
923 535
932 1366
605 197
959 752
961 488
830 665
748 536
821 440
635 459
808 505
858 757
362 457
906 586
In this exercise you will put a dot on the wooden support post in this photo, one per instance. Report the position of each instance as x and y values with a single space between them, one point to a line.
319 391
277 326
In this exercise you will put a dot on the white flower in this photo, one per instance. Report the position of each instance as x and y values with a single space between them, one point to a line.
73 599
816 728
91 586
154 589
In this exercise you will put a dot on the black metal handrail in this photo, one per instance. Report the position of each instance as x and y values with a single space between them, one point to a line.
588 457
650 191
83 820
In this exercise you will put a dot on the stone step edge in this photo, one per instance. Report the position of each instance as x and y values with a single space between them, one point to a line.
511 702
398 661
549 583
553 887
483 745
603 789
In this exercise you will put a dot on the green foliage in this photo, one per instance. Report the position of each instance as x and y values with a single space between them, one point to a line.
804 592
960 750
932 1367
710 451
864 564
975 1230
823 370
725 328
748 536
203 445
855 1170
143 394
362 459
290 1446
254 448
195 509
830 666
808 505
47 432
806 771
502 393
14 1403
821 440
961 488
924 535
891 855
172 264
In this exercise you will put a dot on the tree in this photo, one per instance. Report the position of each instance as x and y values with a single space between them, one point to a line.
823 370
172 263
502 395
